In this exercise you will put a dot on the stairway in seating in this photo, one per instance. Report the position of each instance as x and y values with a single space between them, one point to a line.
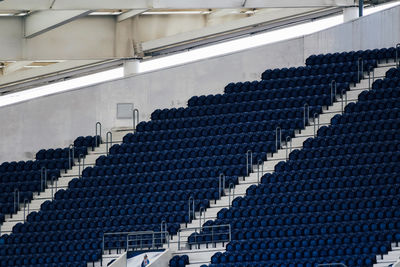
62 183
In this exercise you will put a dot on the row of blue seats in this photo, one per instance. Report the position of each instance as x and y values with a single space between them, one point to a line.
377 95
269 186
393 72
246 96
353 260
342 171
374 115
291 215
247 102
386 83
23 166
339 160
50 247
132 179
179 261
231 148
346 227
61 211
303 253
26 176
331 136
330 203
191 156
360 127
67 259
164 185
350 77
323 69
30 186
210 133
82 235
336 239
392 145
214 120
126 189
351 56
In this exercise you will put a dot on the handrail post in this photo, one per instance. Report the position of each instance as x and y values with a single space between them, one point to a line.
52 187
306 114
260 162
108 140
249 161
71 155
343 96
202 211
287 141
179 239
191 199
360 72
96 142
369 77
16 200
333 91
278 145
135 117
102 252
397 55
221 184
26 201
231 187
81 160
315 116
43 179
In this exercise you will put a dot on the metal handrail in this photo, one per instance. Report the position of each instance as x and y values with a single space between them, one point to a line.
202 211
260 162
53 178
71 148
191 211
333 94
16 200
315 116
278 146
249 161
81 160
231 188
97 134
43 179
306 107
205 230
26 201
360 68
369 77
221 184
343 96
287 141
397 55
331 264
163 223
126 238
108 140
135 113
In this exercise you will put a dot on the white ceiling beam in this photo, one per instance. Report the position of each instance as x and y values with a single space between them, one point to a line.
43 21
164 4
13 67
130 14
203 33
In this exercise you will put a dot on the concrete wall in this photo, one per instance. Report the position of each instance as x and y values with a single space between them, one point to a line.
54 121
